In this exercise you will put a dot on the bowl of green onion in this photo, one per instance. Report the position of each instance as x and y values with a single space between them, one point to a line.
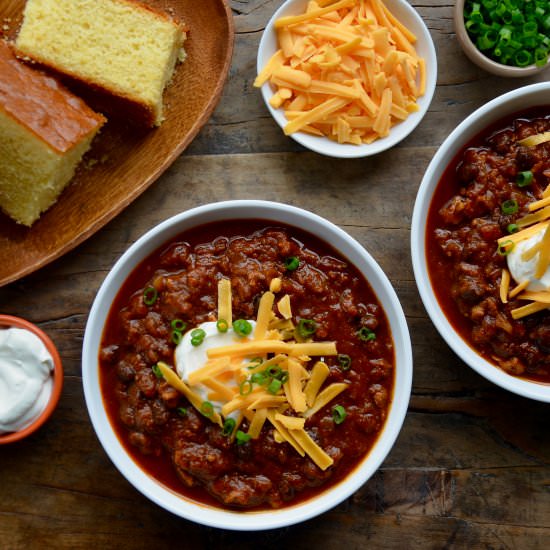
505 37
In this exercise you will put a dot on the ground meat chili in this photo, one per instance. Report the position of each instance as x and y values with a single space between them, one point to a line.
465 220
170 439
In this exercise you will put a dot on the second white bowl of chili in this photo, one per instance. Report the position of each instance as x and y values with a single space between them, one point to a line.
473 197
249 482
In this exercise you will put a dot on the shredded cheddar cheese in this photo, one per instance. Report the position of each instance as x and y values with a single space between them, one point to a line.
347 70
263 377
531 224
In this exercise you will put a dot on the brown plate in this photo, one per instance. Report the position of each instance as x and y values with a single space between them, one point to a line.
124 162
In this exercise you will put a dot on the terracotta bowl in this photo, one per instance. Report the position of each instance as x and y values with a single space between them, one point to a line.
7 321
481 60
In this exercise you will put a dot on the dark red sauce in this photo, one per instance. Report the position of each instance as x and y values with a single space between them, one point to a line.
465 221
189 454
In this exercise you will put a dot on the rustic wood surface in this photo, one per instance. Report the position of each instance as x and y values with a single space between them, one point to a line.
471 467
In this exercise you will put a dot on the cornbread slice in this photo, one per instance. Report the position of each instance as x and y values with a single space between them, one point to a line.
120 47
44 131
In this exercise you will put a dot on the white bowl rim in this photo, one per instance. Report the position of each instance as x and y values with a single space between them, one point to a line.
217 517
325 146
501 106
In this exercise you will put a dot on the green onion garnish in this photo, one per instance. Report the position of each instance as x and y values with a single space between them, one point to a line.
245 387
207 409
344 361
306 327
242 327
255 362
512 228
197 336
338 414
156 371
505 248
292 263
228 426
274 386
242 438
366 334
510 206
259 378
178 324
176 337
222 325
524 178
150 295
182 411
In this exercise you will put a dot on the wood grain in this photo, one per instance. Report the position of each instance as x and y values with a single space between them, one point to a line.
471 467
124 161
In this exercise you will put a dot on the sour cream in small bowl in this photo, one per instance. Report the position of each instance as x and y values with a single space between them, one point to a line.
31 378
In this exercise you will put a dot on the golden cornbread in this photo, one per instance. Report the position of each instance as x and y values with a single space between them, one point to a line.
120 47
44 131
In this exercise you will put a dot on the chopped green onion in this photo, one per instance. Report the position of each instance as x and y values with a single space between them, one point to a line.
284 377
292 263
524 178
274 386
306 327
245 387
242 438
505 248
366 335
178 324
259 378
150 295
156 371
197 336
176 336
344 361
207 409
273 371
222 325
510 32
338 414
255 362
228 426
182 411
512 228
242 327
510 206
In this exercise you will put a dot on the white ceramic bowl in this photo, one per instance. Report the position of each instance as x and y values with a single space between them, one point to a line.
510 103
425 48
246 209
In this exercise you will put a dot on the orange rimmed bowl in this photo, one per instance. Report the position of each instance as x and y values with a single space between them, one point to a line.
7 321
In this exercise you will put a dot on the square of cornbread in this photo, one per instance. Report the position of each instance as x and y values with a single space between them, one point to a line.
120 47
44 132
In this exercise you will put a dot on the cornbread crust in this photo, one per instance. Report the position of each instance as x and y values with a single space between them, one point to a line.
44 131
123 51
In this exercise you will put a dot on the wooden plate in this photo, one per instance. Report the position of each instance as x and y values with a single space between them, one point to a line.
124 162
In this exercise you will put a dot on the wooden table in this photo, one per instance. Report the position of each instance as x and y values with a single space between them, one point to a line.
471 467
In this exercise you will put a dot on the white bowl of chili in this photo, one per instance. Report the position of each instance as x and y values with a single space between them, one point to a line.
487 123
364 118
392 336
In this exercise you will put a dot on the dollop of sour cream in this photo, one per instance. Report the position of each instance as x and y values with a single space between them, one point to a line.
189 358
522 270
26 379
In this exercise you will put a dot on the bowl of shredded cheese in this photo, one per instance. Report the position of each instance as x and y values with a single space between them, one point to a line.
347 78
